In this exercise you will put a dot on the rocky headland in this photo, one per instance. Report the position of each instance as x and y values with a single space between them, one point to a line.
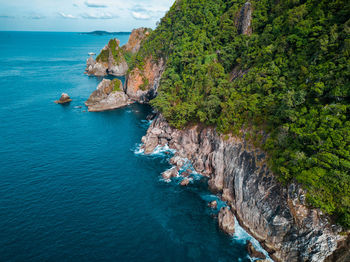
108 95
141 83
275 215
110 61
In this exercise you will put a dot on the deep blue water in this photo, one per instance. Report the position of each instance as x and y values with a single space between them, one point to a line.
71 186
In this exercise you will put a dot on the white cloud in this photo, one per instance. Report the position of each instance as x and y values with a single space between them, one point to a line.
141 16
102 15
35 17
140 12
67 16
95 4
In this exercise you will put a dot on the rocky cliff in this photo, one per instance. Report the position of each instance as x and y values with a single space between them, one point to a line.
274 214
108 95
142 83
134 43
110 61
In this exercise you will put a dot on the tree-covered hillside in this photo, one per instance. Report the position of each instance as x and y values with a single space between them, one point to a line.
285 87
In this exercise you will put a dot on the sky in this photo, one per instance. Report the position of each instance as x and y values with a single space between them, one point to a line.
80 15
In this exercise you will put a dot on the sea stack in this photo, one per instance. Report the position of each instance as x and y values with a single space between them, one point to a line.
63 99
108 95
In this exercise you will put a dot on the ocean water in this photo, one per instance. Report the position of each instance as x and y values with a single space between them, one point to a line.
72 185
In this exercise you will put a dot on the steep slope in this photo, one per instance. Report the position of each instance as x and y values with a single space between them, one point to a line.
275 215
279 79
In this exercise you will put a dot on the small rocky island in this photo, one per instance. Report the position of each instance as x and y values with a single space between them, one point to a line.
63 99
108 95
141 83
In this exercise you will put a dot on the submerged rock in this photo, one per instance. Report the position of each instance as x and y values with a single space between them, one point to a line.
253 252
107 96
63 99
226 220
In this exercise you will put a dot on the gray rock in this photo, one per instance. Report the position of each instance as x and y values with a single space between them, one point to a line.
185 182
275 215
106 98
170 173
253 252
244 20
226 220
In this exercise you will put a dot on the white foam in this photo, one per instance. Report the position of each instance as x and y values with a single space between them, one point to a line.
139 150
242 236
162 150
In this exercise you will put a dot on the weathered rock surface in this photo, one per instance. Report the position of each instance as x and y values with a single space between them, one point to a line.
170 173
253 252
275 215
226 220
110 61
63 99
137 36
107 96
185 182
94 68
142 84
244 19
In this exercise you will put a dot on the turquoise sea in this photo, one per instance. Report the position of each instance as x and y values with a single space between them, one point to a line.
73 186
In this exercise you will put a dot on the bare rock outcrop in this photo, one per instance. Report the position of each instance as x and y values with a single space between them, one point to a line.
253 252
142 84
107 96
63 99
137 36
244 19
274 214
110 61
226 220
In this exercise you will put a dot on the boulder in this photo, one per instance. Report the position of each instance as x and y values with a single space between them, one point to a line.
63 99
151 142
113 101
177 161
253 252
170 173
213 204
185 182
226 220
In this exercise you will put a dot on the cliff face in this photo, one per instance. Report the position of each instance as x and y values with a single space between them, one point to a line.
277 216
110 61
107 96
244 19
135 40
142 84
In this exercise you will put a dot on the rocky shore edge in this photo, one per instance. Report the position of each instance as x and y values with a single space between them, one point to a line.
277 216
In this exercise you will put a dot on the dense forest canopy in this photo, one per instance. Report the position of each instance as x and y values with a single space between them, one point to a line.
285 87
